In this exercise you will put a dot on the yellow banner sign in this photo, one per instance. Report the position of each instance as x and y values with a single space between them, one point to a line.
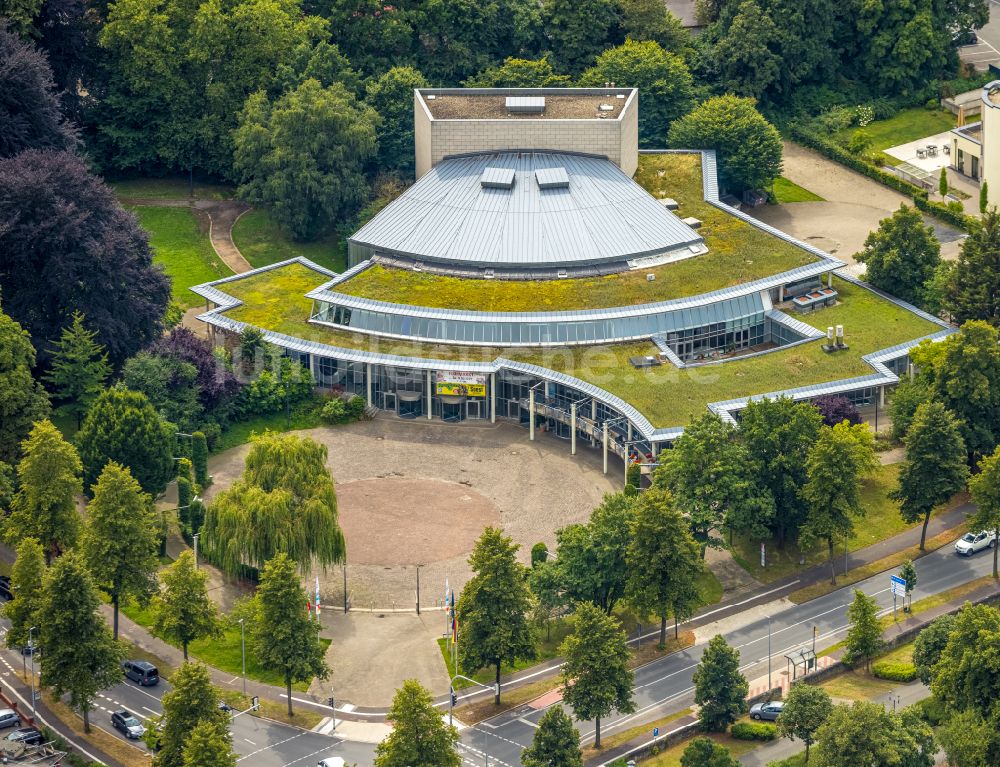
460 384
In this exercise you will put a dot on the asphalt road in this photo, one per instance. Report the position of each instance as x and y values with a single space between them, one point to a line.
665 684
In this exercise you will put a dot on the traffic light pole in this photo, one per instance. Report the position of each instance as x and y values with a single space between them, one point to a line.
453 696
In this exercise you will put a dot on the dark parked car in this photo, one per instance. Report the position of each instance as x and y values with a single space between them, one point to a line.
32 648
128 725
32 736
5 592
769 711
9 718
141 672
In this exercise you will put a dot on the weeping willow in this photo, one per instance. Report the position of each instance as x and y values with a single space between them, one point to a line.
284 502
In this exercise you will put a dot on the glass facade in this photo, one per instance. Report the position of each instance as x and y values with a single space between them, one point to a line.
729 322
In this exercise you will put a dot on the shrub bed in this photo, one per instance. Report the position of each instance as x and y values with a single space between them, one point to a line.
932 711
753 731
895 672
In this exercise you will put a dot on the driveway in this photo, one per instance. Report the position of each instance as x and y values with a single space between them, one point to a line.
987 51
852 208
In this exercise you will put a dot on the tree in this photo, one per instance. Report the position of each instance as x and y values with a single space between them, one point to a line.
285 638
119 540
199 458
711 477
546 587
81 658
778 435
650 20
192 702
663 562
705 752
865 733
838 462
215 382
283 502
22 400
590 559
748 146
44 507
184 612
26 578
901 255
169 384
909 395
864 637
519 73
806 708
71 246
662 78
943 183
983 198
719 688
836 408
744 57
909 575
964 375
969 740
974 293
493 608
934 469
79 369
303 155
929 645
577 31
556 742
985 490
123 426
29 108
209 745
419 737
596 677
965 676
391 96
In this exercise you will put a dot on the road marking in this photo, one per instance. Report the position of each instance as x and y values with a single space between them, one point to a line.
491 758
273 745
529 723
154 713
249 741
307 756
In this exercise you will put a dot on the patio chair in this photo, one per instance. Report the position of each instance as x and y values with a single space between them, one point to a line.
921 154
946 149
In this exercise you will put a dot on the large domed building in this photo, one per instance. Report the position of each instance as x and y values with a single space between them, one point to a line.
542 270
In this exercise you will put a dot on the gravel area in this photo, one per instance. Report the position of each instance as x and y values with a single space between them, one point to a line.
441 485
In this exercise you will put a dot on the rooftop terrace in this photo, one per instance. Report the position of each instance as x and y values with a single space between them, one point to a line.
666 395
739 252
560 104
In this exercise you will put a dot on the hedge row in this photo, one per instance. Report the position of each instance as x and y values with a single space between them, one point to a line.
753 731
895 672
838 154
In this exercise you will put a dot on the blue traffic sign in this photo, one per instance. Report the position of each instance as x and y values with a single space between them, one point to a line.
897 579
656 732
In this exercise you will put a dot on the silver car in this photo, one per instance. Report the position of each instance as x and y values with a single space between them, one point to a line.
769 711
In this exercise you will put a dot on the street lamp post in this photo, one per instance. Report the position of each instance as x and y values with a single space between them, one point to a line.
343 567
453 698
243 657
195 537
31 645
769 688
418 589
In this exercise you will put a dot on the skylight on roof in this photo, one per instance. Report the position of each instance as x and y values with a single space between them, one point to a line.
525 104
497 178
552 178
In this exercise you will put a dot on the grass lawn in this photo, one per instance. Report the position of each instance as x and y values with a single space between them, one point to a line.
857 685
903 127
623 736
671 757
881 521
799 760
788 191
263 242
223 653
170 188
181 245
667 396
738 253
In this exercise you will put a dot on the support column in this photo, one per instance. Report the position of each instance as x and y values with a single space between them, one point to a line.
430 401
605 440
572 429
881 396
493 397
781 294
655 449
629 431
531 414
312 366
368 382
829 279
593 421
